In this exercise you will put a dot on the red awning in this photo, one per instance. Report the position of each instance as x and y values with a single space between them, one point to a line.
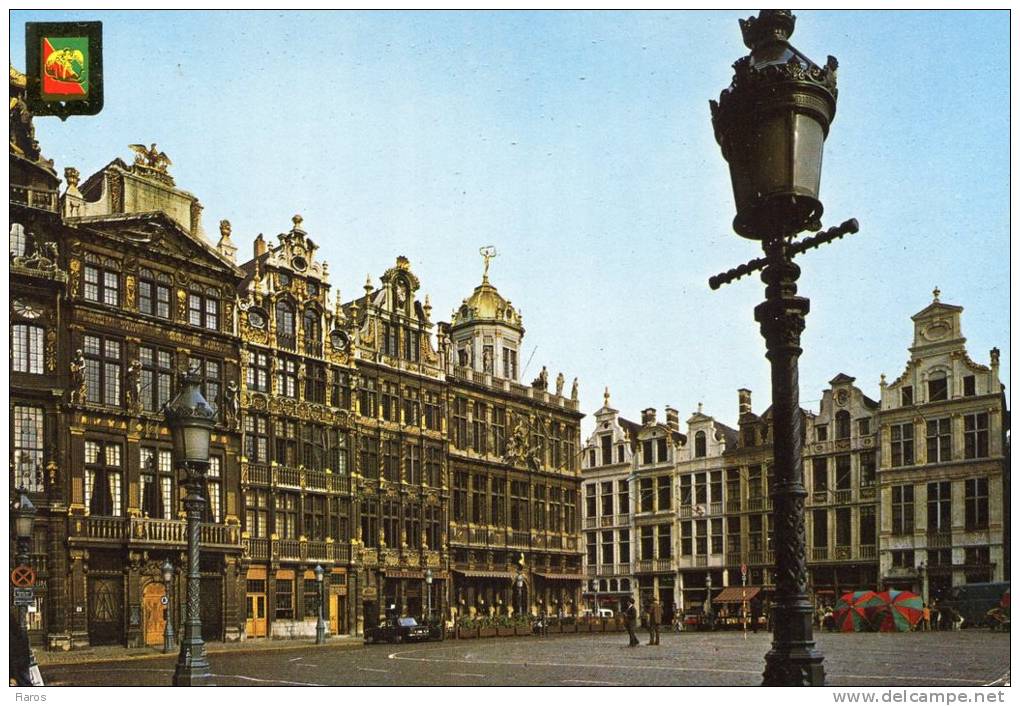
561 577
736 594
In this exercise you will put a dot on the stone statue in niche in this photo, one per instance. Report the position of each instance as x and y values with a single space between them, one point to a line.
559 384
79 384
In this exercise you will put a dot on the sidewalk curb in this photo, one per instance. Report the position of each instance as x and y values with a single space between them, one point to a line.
73 658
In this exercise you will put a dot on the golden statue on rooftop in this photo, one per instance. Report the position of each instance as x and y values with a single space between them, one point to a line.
151 158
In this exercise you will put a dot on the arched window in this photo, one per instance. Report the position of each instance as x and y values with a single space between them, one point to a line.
285 324
602 585
613 584
842 424
624 584
19 244
102 280
700 445
312 332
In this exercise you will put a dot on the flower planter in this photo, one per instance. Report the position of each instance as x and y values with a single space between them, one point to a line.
522 630
466 633
505 632
487 632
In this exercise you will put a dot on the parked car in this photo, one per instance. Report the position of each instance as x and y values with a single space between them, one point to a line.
397 630
605 613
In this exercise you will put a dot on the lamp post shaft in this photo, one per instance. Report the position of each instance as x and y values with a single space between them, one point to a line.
168 628
793 659
320 624
192 665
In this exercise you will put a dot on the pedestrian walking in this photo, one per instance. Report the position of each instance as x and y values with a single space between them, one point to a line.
630 620
654 618
926 618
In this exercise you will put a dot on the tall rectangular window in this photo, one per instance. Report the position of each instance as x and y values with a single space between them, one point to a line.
717 535
154 293
460 496
969 388
433 466
701 537
103 370
103 466
592 545
29 448
606 499
157 476
938 438
519 505
938 388
210 372
647 496
391 460
284 599
648 542
939 506
256 512
664 541
647 452
370 522
608 548
624 546
686 538
460 425
509 364
868 528
866 459
102 285
623 497
412 456
257 372
843 527
391 523
901 438
975 501
214 488
906 395
664 492
975 435
538 508
286 514
412 524
367 398
820 529
499 502
479 494
499 431
843 472
256 438
478 433
286 377
27 348
902 509
369 456
157 377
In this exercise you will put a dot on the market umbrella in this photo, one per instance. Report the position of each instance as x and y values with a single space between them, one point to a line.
900 611
853 611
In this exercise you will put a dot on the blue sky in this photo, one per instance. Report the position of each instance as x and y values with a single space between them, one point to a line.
580 145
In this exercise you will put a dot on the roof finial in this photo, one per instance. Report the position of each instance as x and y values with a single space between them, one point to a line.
368 284
935 293
488 252
605 397
297 220
699 408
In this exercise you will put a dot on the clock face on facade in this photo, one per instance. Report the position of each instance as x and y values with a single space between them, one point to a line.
27 309
339 339
256 319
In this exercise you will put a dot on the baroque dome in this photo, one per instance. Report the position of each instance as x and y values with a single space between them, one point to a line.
487 305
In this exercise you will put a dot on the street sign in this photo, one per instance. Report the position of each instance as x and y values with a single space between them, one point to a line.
23 576
164 600
24 596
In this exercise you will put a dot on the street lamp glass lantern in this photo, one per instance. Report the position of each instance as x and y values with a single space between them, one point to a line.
428 576
771 124
24 516
191 419
168 571
318 573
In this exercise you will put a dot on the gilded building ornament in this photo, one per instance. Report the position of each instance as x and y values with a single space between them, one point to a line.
51 350
75 282
182 305
130 291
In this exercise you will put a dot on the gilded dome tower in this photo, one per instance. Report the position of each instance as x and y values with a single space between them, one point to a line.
486 330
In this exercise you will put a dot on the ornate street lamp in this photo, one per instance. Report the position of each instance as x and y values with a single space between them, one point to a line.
771 123
168 629
428 594
520 591
922 573
320 624
708 600
191 421
23 511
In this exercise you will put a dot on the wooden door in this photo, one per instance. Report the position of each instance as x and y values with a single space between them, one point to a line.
334 614
255 625
106 610
153 614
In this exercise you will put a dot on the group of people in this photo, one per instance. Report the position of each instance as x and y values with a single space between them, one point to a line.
653 618
933 617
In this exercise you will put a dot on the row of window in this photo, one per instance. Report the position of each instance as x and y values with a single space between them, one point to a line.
620 505
401 342
939 506
938 389
286 380
488 360
486 433
400 523
314 446
843 425
394 461
939 440
160 494
292 515
411 406
484 500
102 284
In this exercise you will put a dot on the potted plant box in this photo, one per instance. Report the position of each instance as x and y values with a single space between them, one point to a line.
488 631
507 631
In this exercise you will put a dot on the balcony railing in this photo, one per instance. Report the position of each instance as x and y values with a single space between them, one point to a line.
819 497
733 558
760 557
867 492
843 553
644 565
591 570
940 540
288 549
623 518
606 521
288 343
843 496
685 512
478 536
590 522
257 548
701 560
732 506
313 348
715 508
866 551
255 473
152 530
518 539
37 198
819 553
287 476
623 569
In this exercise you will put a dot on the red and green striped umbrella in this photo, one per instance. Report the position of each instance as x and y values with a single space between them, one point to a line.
900 611
854 611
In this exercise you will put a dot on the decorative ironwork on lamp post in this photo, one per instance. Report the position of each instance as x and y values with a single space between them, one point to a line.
167 570
428 595
191 419
771 123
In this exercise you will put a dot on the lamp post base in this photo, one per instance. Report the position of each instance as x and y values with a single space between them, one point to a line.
192 667
794 668
320 633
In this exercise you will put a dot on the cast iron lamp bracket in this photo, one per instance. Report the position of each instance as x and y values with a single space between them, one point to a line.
784 250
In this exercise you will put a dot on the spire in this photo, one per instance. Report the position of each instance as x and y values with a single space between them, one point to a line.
427 308
338 310
605 397
368 284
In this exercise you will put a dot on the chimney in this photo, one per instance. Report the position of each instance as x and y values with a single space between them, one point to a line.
744 401
260 246
672 418
648 416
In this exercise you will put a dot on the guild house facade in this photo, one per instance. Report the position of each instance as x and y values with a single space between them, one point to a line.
361 436
910 491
